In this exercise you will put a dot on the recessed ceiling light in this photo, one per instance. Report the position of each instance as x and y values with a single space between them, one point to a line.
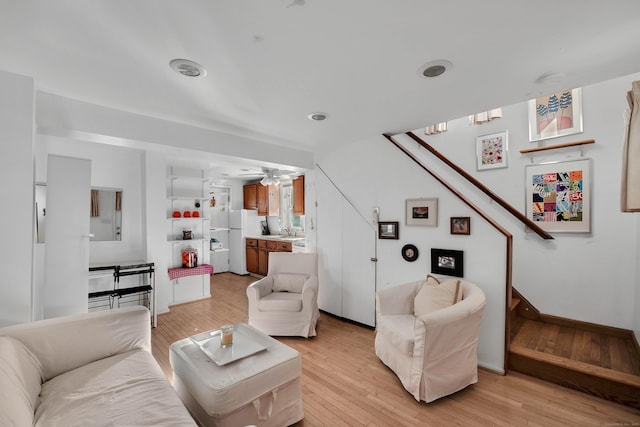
188 68
435 68
318 117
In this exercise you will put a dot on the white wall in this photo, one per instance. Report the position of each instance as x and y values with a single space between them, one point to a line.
593 278
17 195
111 167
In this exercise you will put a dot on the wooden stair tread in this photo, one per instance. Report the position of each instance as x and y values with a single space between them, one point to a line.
574 365
514 303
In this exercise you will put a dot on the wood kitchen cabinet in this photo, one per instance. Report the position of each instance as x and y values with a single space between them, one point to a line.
258 251
250 196
252 256
298 195
262 200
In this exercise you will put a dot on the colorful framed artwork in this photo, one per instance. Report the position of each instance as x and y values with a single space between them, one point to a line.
554 115
461 225
388 230
447 262
558 195
422 212
491 151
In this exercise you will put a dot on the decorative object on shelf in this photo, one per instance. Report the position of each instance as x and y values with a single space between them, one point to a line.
187 214
388 230
212 202
176 214
554 115
422 212
195 214
448 262
189 258
409 253
558 195
186 235
491 150
485 116
461 225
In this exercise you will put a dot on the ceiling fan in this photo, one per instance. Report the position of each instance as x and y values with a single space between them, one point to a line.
272 176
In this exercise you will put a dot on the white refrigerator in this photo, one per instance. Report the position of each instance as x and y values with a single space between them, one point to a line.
242 223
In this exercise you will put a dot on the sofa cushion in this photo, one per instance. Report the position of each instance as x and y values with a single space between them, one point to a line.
432 280
435 297
399 329
20 382
281 301
289 282
127 389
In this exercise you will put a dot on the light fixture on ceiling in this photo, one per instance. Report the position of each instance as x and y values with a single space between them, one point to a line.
188 68
269 178
435 68
318 117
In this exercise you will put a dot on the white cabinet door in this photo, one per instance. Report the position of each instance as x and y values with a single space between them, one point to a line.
358 271
329 246
67 236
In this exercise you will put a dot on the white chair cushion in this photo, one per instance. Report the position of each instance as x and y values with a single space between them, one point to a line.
20 383
289 282
399 328
435 297
281 301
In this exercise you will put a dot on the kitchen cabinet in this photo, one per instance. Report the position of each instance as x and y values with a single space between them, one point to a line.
258 251
266 199
298 195
250 196
252 255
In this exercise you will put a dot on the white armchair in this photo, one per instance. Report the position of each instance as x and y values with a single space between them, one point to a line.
285 302
434 354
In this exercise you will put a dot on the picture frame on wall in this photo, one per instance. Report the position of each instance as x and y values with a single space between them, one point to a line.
556 114
492 150
422 212
558 195
448 262
388 230
461 225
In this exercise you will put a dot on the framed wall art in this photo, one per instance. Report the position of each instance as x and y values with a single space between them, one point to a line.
388 230
557 114
422 212
491 150
461 225
447 262
558 195
409 252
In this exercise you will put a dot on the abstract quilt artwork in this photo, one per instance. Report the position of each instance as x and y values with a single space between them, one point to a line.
558 196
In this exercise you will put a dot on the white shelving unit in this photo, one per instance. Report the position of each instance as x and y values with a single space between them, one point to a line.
187 196
219 213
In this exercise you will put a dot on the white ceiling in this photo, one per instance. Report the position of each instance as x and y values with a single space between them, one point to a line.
271 63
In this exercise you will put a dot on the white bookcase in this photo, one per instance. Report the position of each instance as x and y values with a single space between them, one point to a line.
188 219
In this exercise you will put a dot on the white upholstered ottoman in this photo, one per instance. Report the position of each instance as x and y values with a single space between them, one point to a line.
262 389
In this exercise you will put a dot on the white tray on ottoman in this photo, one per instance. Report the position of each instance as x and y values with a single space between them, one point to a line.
261 389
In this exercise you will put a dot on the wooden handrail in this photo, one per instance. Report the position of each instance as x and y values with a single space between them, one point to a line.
553 147
513 211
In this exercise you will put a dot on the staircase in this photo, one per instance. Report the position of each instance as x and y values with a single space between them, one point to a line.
599 360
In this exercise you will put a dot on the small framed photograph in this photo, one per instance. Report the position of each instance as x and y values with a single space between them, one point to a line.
491 150
461 225
409 253
447 262
556 114
422 212
388 230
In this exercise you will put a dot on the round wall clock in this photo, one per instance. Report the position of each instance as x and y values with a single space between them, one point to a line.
409 253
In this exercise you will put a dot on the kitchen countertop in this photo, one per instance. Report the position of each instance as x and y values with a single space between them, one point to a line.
278 238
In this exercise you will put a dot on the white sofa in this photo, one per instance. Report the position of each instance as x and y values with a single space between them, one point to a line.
285 302
93 369
432 354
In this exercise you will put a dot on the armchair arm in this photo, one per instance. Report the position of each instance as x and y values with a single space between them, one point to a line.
260 288
398 299
310 293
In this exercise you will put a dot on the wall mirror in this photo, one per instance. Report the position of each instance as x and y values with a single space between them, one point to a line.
105 210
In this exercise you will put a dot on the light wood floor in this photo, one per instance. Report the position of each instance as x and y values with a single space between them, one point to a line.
345 384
